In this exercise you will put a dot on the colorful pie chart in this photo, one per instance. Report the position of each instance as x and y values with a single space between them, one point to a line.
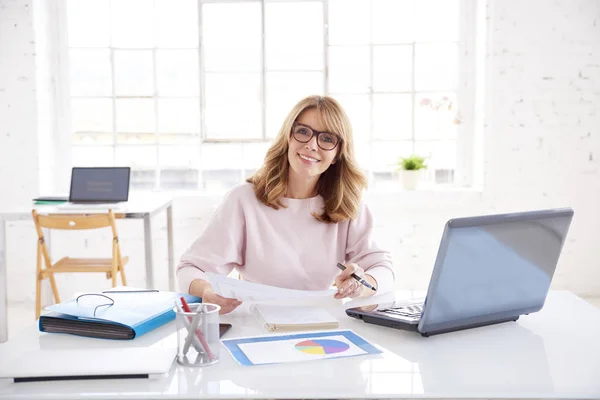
322 346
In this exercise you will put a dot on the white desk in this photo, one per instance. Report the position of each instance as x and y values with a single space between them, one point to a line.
140 207
547 355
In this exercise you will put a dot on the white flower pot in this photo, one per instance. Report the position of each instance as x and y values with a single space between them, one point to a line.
410 179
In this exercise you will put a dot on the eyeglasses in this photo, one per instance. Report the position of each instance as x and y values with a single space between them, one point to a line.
94 301
325 140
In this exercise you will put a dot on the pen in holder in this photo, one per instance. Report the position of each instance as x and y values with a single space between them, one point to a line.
197 333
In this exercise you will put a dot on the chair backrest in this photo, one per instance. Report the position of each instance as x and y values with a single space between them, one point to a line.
74 221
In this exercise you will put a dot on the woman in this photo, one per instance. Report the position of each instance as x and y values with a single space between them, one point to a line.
296 218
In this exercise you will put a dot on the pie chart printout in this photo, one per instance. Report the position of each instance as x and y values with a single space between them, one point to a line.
322 346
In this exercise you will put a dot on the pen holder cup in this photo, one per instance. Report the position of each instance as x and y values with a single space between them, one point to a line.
198 335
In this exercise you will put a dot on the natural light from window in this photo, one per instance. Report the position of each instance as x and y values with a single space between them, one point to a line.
144 93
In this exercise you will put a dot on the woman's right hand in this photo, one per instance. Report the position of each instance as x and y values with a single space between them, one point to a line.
227 304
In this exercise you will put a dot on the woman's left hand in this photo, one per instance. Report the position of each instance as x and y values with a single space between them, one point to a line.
348 286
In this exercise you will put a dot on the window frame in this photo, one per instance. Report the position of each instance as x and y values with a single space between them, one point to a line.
464 174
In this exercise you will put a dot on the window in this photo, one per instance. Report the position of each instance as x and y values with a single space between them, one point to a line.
190 93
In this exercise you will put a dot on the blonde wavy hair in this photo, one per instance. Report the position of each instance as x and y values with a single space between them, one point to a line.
341 185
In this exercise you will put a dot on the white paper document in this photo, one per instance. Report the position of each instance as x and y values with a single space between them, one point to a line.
293 350
248 291
309 346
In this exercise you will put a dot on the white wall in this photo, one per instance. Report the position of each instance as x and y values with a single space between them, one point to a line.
541 149
18 108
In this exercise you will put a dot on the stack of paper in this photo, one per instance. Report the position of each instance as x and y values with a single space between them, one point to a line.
284 318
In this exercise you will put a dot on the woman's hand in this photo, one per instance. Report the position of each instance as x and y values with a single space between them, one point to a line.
202 289
350 287
227 304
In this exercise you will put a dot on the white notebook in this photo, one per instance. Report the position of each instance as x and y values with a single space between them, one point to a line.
286 318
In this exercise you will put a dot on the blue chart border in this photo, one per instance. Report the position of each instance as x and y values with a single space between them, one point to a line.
233 345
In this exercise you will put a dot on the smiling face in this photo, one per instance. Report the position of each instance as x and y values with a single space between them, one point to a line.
307 160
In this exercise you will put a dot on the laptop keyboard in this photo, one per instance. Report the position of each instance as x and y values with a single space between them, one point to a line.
404 310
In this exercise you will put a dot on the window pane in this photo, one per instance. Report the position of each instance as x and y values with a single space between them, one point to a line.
436 66
436 116
177 72
392 116
88 23
91 115
179 115
130 138
284 90
385 179
358 109
349 69
179 156
393 21
177 23
233 106
134 73
438 20
254 154
90 72
392 67
232 37
220 180
440 155
136 156
386 154
93 138
143 178
347 22
135 115
294 36
93 156
219 156
174 178
189 139
132 23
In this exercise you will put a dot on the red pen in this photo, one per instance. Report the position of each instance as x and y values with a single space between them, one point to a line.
199 333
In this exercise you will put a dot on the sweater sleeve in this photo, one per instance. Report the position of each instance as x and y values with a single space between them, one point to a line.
220 248
362 250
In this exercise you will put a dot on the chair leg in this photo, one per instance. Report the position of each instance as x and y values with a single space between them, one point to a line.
54 289
123 279
114 278
38 297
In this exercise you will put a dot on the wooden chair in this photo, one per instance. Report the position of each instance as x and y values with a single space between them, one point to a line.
110 266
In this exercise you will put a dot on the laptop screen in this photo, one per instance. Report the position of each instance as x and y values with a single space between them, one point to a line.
491 269
99 184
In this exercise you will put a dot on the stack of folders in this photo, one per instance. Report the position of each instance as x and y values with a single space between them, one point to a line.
121 314
289 318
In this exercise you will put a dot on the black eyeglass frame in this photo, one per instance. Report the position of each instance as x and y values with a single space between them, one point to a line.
317 134
100 305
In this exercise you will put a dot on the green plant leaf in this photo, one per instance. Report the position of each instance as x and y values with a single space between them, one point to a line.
412 163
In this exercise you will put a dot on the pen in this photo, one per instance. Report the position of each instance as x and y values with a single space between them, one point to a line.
130 291
358 278
199 333
191 336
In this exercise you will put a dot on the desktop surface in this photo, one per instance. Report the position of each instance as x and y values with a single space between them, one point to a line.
549 354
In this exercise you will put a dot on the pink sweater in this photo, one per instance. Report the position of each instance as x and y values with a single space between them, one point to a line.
287 248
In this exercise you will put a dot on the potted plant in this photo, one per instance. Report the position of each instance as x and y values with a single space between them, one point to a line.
411 171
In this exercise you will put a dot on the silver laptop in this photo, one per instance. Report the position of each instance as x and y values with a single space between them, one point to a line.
489 269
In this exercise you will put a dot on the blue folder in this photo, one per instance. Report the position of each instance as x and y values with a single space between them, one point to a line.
124 316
